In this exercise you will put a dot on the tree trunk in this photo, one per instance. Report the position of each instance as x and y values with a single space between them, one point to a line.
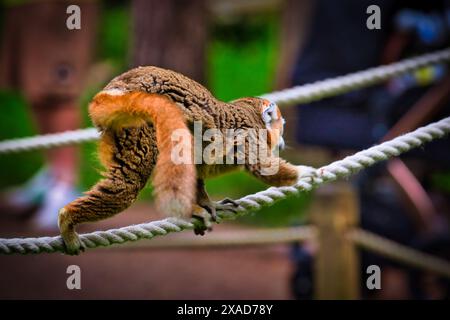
171 34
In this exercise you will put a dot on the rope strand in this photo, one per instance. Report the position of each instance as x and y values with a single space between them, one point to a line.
339 169
358 80
296 95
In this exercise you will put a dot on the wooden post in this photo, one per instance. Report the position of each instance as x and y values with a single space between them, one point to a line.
336 270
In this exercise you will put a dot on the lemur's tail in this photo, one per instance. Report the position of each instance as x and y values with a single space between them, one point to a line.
174 181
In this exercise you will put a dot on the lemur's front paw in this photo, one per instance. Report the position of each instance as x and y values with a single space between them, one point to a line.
72 242
306 172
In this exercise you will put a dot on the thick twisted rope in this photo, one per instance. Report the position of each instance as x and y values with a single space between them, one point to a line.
351 164
401 253
300 94
358 80
227 239
339 169
48 141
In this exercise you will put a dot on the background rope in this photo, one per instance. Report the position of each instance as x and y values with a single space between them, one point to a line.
227 239
48 141
339 169
300 94
401 253
358 80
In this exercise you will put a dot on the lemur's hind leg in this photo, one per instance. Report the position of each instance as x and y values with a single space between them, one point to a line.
129 155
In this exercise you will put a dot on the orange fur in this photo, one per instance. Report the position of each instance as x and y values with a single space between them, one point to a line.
105 149
174 183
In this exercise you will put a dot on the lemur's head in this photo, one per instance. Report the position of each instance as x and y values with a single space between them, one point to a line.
271 117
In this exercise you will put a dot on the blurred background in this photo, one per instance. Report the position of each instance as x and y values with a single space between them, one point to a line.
48 74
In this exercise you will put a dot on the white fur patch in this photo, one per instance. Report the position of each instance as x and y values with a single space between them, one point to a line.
269 114
114 92
174 208
281 143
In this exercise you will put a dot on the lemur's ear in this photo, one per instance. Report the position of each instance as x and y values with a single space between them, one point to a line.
269 113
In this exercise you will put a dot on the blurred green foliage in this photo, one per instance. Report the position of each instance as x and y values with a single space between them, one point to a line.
442 181
242 58
113 37
16 122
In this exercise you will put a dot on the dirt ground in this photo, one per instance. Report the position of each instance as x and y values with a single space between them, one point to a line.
145 273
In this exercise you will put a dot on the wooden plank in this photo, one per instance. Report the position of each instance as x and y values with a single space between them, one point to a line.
337 272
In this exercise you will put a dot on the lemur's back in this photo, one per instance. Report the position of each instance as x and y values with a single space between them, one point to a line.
197 102
152 79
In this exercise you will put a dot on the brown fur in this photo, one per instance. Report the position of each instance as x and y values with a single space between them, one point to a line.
137 112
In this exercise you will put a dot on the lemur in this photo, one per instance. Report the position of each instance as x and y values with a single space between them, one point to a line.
136 114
